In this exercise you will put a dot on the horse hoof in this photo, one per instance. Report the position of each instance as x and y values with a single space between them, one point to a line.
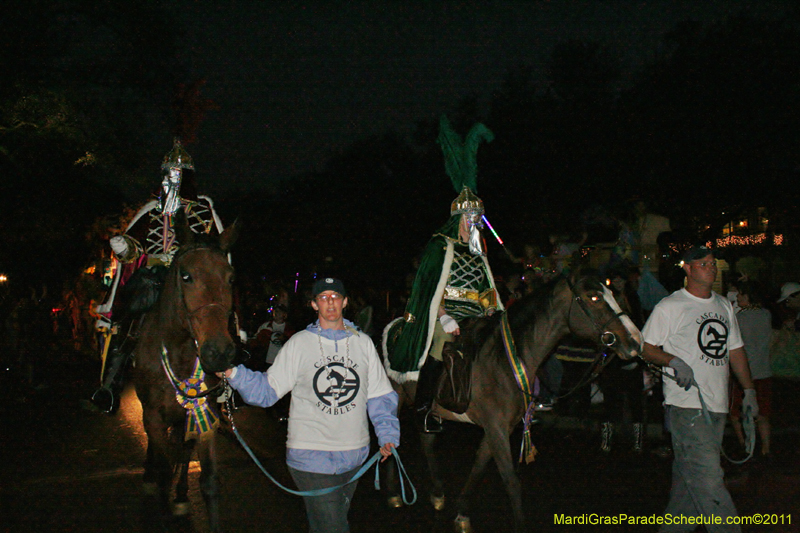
150 489
437 502
462 524
395 502
180 508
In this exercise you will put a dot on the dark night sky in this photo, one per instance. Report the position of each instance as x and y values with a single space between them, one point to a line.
295 81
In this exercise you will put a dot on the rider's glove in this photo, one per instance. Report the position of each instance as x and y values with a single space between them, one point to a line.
684 375
449 324
119 245
750 401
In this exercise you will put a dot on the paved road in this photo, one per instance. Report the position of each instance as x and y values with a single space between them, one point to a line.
68 469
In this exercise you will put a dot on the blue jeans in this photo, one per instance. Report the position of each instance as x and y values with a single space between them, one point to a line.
698 487
326 513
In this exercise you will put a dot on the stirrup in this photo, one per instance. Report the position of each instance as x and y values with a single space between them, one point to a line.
104 399
432 423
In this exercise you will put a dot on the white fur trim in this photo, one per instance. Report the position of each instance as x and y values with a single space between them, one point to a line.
436 301
394 375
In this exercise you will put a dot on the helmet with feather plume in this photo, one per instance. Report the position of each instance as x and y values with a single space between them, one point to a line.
460 161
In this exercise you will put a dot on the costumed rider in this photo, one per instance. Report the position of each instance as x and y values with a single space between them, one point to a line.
453 282
145 252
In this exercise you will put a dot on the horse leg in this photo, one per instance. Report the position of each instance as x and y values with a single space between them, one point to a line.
209 480
482 457
437 488
180 505
500 445
157 465
392 484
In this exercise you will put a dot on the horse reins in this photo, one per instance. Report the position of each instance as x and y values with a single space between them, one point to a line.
602 358
607 338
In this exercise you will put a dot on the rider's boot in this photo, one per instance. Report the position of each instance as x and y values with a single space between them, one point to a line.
426 392
606 434
106 398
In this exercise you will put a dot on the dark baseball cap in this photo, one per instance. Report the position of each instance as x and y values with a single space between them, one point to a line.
697 252
328 284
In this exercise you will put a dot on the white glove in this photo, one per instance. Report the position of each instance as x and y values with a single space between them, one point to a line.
449 324
119 245
684 375
243 336
750 401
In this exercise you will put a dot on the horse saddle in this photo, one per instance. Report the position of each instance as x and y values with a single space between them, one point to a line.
455 383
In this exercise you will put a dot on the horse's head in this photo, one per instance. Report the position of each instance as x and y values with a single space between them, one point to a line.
595 314
204 282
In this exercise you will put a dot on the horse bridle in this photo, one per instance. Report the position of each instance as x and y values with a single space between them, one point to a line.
191 317
607 338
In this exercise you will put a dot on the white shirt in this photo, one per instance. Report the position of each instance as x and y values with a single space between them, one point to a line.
702 332
330 382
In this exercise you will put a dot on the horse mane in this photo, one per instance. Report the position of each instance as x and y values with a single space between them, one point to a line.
524 313
526 309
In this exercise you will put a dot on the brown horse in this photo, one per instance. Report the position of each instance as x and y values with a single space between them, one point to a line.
189 323
580 305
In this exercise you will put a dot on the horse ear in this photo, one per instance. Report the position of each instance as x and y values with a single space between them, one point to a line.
180 224
228 237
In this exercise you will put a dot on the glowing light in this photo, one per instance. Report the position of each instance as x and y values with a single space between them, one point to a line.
496 236
91 270
748 240
3 278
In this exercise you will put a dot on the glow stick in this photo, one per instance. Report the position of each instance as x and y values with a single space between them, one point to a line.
496 236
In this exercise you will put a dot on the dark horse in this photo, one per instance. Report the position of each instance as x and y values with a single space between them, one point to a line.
189 321
580 305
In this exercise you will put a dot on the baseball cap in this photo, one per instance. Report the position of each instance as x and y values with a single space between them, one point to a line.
788 289
328 284
696 252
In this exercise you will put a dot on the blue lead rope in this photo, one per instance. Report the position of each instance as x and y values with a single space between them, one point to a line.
318 492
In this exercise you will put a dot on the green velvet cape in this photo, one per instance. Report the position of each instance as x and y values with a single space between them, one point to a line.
408 347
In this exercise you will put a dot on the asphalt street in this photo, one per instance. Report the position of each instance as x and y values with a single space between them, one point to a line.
65 468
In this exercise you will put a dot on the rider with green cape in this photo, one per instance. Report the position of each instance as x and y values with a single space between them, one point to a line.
454 281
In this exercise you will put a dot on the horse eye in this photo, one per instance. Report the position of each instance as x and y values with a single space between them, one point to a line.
186 277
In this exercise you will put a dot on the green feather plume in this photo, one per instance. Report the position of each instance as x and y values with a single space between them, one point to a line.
460 157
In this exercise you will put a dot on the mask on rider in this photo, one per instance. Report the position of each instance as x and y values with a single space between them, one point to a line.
171 189
475 225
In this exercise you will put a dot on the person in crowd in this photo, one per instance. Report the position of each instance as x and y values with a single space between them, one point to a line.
621 381
790 299
566 252
453 282
337 383
785 344
755 324
145 251
694 335
271 336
